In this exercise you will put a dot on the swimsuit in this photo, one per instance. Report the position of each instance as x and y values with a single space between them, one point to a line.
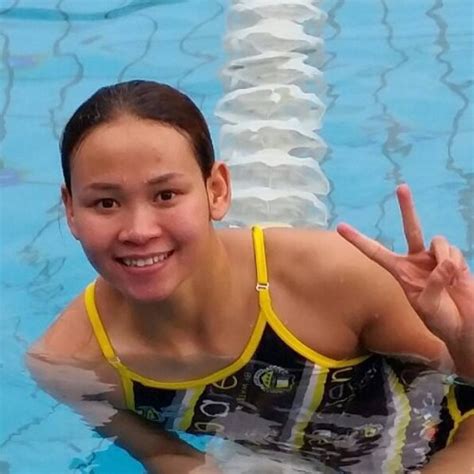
368 414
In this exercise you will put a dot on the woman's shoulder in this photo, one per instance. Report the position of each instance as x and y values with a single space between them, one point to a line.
295 240
69 337
303 253
312 251
323 269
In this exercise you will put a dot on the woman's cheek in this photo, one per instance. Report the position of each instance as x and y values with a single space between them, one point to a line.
95 234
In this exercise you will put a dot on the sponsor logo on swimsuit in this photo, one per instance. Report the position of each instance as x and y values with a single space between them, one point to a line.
274 379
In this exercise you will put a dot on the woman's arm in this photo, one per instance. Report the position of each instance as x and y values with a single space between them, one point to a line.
159 451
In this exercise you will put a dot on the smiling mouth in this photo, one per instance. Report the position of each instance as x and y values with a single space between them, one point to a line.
145 262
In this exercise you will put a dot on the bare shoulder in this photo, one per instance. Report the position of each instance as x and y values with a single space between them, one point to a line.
69 337
283 243
310 255
329 269
301 255
304 243
316 263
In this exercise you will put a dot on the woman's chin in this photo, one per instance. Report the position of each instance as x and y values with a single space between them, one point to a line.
147 295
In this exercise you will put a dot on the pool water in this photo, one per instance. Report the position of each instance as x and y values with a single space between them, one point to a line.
399 78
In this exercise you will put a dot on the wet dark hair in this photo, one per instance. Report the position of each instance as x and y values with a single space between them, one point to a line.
142 99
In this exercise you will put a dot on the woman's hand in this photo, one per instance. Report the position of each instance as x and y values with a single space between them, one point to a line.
436 281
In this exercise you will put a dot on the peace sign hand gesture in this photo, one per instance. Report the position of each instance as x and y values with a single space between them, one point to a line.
436 281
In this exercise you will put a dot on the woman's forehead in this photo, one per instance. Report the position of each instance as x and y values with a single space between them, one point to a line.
137 147
138 136
143 131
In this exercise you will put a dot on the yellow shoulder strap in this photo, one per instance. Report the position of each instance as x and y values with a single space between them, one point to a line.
261 266
98 327
106 346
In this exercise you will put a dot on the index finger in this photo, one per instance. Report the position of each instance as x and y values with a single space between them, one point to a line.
369 247
411 223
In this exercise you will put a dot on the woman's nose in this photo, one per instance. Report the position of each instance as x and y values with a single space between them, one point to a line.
140 225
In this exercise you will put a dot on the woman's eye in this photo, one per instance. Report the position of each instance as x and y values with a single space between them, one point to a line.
107 203
166 195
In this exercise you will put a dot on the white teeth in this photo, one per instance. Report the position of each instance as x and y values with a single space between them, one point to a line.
145 262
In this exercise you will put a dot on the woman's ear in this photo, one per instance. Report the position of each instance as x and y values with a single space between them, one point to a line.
67 201
218 190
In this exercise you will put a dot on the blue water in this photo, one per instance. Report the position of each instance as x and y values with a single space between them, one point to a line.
400 77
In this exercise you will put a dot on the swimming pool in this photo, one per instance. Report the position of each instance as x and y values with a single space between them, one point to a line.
399 108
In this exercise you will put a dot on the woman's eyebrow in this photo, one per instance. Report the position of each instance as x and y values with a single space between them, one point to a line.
107 186
103 186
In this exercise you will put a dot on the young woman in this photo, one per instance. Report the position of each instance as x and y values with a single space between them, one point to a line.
268 337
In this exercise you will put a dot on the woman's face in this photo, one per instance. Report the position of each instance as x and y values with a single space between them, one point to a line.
141 208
